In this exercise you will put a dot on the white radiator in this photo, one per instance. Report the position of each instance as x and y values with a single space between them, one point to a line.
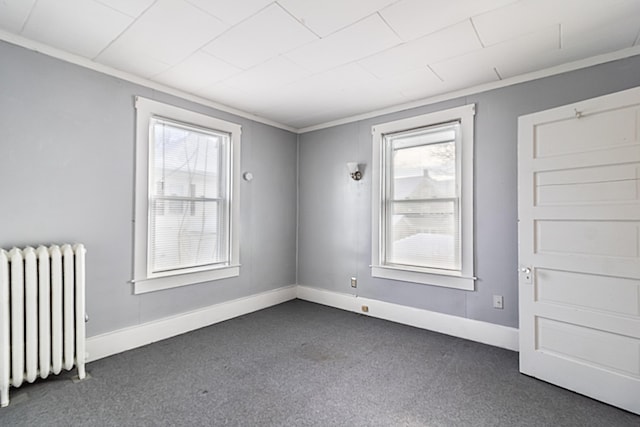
42 314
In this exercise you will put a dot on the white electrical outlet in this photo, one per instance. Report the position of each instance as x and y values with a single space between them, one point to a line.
498 302
354 282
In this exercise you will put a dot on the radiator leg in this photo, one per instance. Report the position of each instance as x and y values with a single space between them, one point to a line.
4 396
82 373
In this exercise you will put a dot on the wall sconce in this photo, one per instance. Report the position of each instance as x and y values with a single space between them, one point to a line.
354 171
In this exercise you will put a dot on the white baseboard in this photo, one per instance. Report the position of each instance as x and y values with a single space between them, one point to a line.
115 342
474 330
125 339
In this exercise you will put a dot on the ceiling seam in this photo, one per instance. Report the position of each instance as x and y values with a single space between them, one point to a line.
231 26
108 6
560 36
475 30
407 43
24 24
389 26
434 72
300 21
124 31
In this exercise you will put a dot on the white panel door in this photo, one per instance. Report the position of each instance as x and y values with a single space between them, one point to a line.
579 247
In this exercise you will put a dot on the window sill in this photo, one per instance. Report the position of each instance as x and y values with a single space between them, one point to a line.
167 282
444 279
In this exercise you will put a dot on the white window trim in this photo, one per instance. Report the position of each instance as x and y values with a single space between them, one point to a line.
144 281
463 279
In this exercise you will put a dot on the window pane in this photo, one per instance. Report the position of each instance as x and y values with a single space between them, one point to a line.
424 234
187 163
192 238
422 216
422 191
424 171
187 228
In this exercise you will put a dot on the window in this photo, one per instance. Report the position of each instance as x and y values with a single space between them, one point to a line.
186 228
423 199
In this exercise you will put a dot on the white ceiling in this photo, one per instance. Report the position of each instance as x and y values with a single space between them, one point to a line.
301 63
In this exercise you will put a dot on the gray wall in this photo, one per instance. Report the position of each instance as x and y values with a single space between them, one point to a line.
335 212
67 175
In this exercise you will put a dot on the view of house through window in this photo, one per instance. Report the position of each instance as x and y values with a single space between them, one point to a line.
423 209
423 199
188 210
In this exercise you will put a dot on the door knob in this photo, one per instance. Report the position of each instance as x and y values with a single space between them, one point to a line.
526 275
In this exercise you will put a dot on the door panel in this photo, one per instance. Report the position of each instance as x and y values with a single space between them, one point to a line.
588 238
579 247
614 295
589 346
604 130
587 185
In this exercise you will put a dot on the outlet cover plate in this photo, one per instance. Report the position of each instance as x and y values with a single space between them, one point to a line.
498 302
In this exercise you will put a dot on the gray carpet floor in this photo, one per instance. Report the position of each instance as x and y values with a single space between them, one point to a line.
303 364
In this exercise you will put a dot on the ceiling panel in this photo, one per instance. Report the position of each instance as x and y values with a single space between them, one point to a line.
197 71
522 54
227 95
415 18
361 99
359 40
328 114
448 43
298 113
579 41
130 7
415 84
527 16
291 106
302 97
14 13
133 61
88 26
519 18
541 49
516 56
352 101
311 94
231 11
528 53
603 23
322 117
331 95
344 76
168 32
327 16
265 35
267 78
303 62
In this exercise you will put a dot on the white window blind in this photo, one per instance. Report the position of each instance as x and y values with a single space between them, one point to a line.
187 200
189 213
